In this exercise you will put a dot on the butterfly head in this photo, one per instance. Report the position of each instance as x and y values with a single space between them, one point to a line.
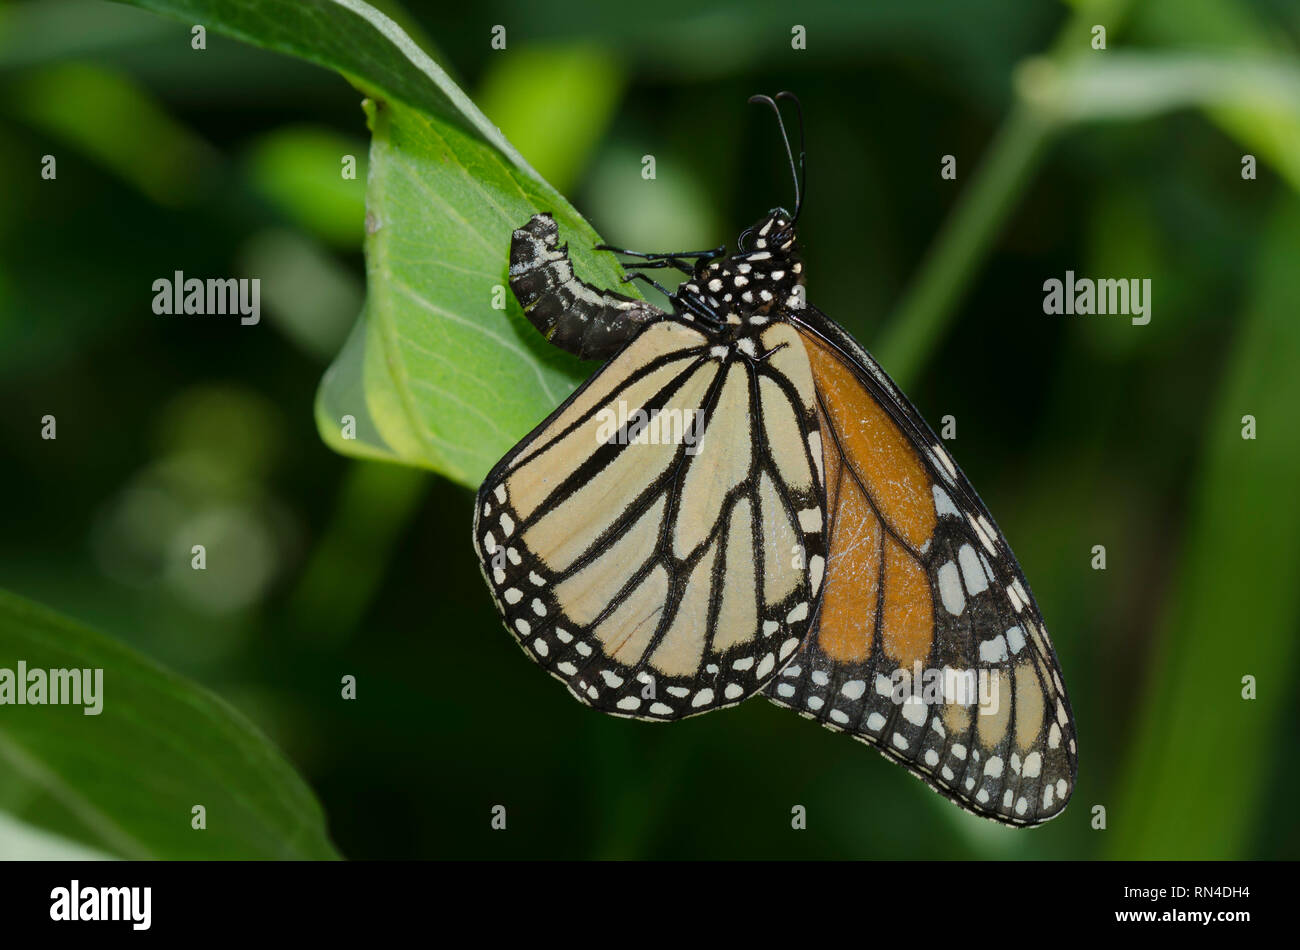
774 233
765 274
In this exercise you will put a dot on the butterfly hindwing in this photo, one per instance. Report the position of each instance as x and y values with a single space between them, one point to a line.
922 590
657 542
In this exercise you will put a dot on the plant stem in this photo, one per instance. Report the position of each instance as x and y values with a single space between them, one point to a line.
930 302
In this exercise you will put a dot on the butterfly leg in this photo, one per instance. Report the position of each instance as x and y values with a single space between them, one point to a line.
674 255
637 275
677 259
698 307
691 304
666 262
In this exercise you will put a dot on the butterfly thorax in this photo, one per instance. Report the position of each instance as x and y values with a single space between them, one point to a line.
757 283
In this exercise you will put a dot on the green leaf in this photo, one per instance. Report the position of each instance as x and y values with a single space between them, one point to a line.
123 782
20 842
450 381
434 375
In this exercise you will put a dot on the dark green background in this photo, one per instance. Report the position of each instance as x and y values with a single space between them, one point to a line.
1076 430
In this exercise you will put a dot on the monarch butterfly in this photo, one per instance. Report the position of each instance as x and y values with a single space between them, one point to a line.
741 500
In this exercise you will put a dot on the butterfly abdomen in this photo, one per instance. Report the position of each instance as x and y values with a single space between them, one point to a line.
590 323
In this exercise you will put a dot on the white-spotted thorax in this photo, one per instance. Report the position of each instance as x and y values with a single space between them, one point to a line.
754 286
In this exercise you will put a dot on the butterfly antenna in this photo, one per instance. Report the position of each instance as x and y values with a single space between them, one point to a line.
803 155
794 172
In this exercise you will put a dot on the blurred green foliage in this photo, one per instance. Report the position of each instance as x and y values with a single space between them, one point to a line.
1077 431
141 764
299 171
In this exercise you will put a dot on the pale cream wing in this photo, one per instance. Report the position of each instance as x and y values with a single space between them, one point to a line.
657 543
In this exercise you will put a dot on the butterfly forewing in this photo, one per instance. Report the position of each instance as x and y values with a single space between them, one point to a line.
658 542
927 643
